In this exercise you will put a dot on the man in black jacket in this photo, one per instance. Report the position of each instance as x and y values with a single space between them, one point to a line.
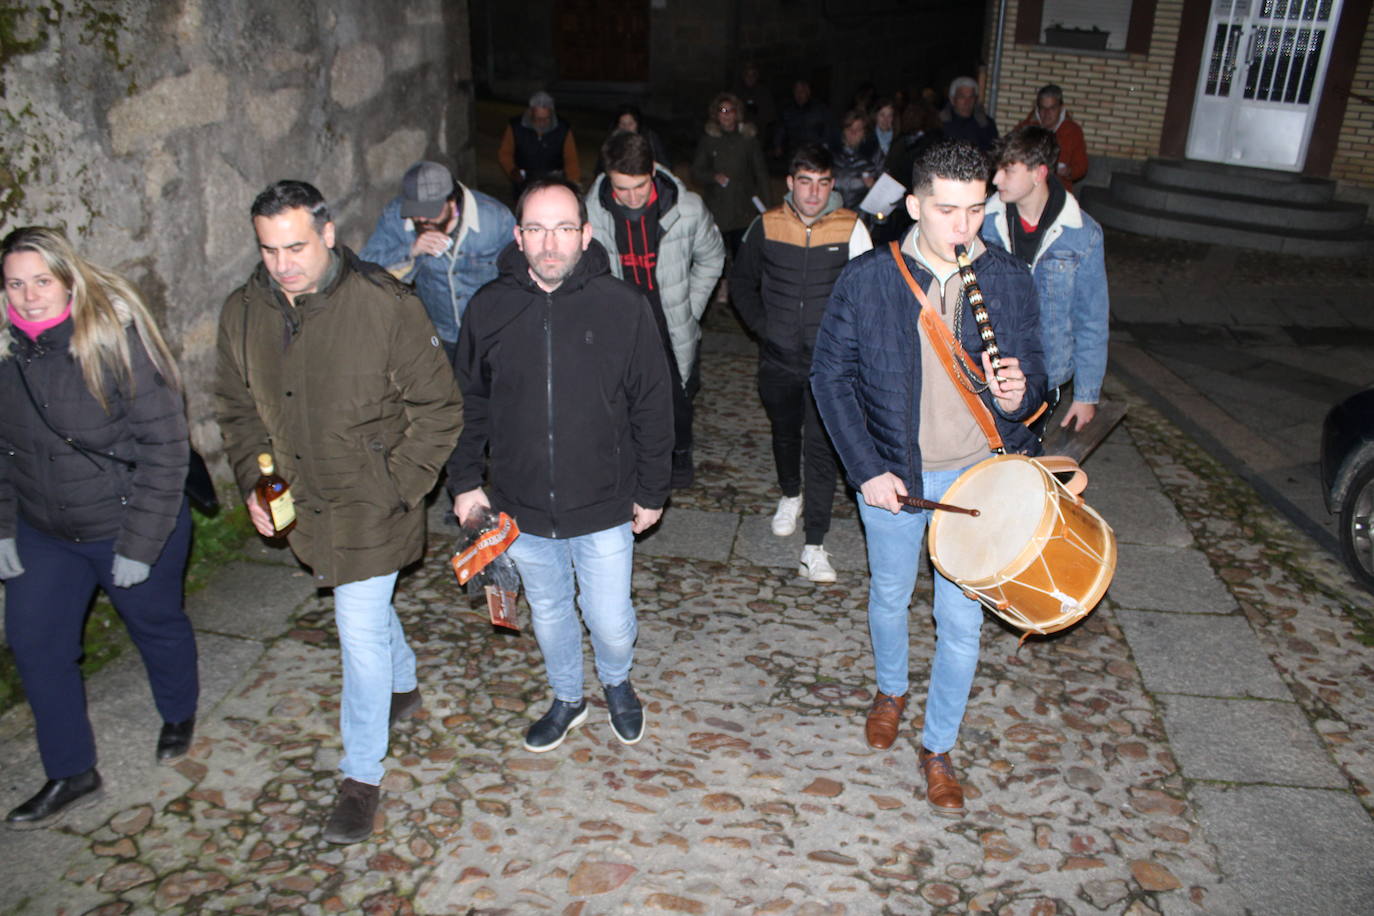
787 264
566 383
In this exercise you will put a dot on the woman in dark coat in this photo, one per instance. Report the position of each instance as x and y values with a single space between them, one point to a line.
730 170
93 458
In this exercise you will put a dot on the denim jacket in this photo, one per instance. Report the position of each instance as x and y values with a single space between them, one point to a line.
445 282
1071 278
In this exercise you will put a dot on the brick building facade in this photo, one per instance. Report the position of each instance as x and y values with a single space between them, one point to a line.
1136 100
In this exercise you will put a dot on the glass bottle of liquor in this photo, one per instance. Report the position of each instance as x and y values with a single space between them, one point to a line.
275 494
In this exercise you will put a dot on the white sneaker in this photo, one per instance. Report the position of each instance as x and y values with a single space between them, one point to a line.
815 564
785 519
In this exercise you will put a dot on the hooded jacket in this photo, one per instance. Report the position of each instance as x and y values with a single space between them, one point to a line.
569 394
784 271
351 393
80 497
690 257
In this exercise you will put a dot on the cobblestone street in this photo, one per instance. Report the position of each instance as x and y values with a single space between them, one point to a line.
1086 755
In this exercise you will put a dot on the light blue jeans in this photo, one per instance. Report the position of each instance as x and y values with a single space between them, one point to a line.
894 552
377 662
602 563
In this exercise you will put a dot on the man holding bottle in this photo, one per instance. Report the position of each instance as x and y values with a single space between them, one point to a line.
566 389
332 367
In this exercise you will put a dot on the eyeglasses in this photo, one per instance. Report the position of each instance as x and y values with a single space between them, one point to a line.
727 110
562 233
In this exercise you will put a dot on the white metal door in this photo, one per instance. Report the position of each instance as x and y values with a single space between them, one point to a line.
1261 80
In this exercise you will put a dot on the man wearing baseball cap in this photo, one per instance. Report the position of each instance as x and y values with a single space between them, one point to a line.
443 238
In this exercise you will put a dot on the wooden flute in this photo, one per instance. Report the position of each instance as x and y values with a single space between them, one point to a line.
980 310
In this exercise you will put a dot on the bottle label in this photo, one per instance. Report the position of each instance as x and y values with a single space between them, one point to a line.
283 511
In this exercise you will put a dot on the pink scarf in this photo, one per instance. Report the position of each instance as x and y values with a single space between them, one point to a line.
34 328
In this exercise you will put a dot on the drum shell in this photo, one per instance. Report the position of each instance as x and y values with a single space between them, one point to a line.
1057 576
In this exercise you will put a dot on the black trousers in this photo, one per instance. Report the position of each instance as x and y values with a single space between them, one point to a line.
683 392
683 395
785 389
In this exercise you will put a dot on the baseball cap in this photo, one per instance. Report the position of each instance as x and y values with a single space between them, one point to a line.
424 189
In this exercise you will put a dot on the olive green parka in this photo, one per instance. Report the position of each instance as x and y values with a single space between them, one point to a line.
352 394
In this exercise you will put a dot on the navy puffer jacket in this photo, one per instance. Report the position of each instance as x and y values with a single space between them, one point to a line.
866 372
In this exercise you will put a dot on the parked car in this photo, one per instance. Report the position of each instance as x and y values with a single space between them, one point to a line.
1347 466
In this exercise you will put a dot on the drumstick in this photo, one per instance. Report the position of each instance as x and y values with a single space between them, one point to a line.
919 503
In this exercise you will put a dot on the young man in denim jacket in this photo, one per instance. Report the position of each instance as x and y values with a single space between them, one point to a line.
443 238
1035 219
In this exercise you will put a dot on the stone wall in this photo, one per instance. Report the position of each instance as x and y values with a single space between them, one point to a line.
146 127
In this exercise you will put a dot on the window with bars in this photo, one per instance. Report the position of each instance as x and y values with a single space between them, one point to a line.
1273 57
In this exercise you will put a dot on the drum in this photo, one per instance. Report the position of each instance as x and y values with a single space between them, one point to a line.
1037 556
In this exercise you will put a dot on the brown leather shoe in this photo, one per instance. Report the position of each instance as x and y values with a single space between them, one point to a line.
883 720
354 812
943 792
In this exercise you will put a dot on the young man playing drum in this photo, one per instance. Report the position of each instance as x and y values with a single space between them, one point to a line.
902 428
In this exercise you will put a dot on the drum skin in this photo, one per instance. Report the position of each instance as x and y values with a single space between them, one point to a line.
1036 555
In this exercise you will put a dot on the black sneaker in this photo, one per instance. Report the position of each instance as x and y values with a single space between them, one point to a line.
549 731
57 797
353 814
626 715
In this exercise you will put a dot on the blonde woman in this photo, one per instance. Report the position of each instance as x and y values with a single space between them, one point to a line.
93 458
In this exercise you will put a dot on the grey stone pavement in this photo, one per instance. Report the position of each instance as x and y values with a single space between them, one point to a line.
1246 351
1200 743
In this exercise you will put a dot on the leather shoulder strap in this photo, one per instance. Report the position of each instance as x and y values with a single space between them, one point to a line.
944 345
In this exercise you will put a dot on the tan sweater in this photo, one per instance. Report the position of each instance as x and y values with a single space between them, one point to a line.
949 436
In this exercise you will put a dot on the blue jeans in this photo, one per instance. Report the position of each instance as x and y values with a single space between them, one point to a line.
894 550
377 662
602 562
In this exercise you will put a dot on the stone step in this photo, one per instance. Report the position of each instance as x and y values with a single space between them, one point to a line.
1111 211
1218 178
1271 213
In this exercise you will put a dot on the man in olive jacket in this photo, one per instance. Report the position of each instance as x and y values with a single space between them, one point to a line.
333 367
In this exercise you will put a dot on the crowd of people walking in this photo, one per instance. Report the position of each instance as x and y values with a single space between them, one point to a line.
545 361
